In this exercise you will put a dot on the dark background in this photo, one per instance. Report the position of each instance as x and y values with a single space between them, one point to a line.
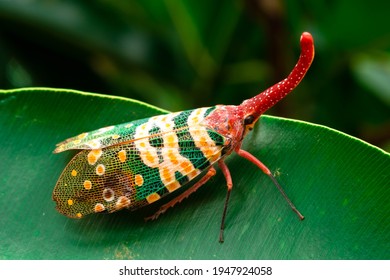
185 54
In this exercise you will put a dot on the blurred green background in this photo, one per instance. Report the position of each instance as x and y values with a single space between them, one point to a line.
185 54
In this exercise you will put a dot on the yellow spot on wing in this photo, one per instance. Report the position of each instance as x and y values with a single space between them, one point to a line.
170 141
99 207
74 173
166 175
122 156
82 135
70 202
195 120
93 156
122 202
149 157
187 167
138 180
173 186
170 138
87 184
153 197
192 174
100 169
172 157
203 141
208 152
79 215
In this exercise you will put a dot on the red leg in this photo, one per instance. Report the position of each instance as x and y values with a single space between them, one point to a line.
254 160
210 173
265 169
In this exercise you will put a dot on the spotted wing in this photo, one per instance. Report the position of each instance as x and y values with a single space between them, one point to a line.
156 162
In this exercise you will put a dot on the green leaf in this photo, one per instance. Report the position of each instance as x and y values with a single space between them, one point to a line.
338 182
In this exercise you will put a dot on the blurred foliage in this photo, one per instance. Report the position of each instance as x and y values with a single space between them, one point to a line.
184 54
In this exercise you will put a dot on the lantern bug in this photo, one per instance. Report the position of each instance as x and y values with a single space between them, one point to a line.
134 164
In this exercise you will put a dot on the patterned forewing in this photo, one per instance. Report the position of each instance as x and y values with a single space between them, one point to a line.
166 152
101 138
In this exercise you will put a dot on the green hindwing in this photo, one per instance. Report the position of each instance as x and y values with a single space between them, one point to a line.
136 163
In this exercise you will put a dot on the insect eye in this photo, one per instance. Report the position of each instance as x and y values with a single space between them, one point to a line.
249 119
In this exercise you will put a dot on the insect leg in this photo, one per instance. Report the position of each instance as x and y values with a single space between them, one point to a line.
265 169
229 184
210 173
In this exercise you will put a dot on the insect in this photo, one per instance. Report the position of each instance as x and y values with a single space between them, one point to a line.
134 164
